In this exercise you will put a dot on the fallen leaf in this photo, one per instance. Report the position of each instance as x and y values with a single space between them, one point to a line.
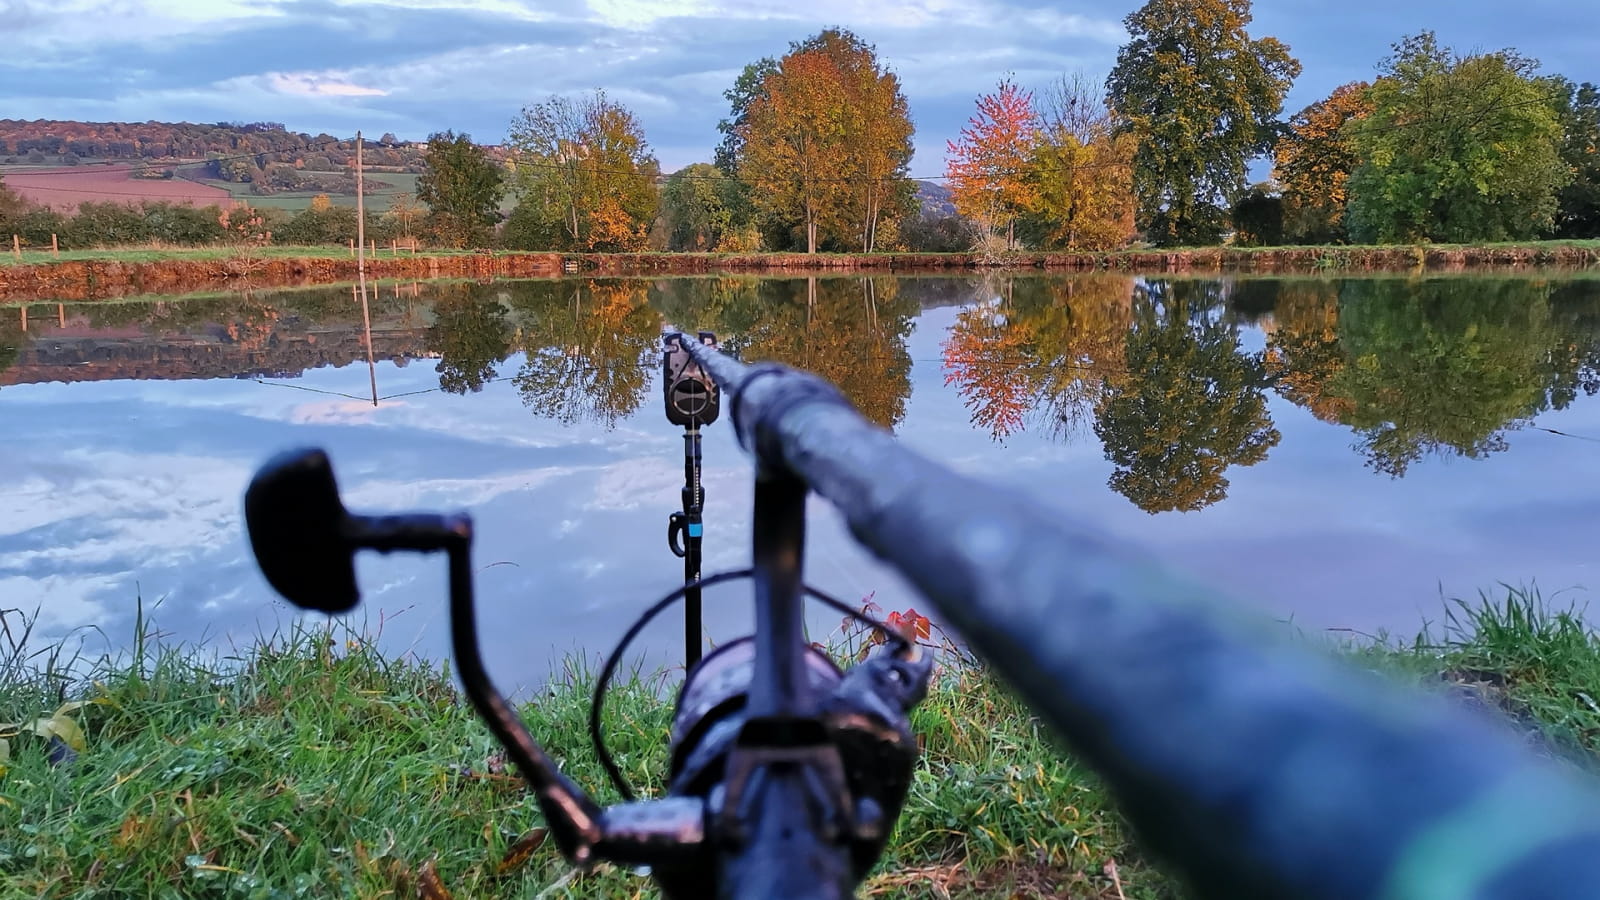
519 853
429 887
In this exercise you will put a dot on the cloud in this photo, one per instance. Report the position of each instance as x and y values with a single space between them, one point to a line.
319 84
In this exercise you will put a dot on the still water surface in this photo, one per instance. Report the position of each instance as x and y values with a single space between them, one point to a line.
1337 452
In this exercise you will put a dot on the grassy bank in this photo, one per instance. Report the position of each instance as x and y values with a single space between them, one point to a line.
309 766
96 274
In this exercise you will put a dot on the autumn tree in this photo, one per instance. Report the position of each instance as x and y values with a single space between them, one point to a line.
1258 217
1080 171
1578 204
987 167
585 175
877 141
462 189
1190 405
1457 148
1202 97
823 143
1312 164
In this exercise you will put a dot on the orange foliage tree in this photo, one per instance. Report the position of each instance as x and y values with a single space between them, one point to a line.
1313 162
823 140
794 147
988 166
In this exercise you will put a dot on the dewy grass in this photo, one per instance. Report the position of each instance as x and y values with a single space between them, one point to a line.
310 765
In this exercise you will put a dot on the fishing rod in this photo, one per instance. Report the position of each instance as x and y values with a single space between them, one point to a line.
1252 766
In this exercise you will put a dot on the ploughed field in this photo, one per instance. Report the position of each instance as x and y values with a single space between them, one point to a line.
65 188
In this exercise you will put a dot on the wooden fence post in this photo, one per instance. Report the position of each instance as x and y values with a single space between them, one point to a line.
16 247
352 246
55 249
61 314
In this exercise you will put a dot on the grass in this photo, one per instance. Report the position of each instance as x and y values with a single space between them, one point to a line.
311 765
156 253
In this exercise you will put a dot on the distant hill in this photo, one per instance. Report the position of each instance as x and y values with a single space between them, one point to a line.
48 141
935 199
50 161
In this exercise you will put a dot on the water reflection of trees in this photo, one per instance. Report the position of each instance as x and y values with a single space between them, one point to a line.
12 337
471 333
1036 352
1173 398
1435 366
589 347
1188 404
851 331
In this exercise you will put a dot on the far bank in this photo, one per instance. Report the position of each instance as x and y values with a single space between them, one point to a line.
97 274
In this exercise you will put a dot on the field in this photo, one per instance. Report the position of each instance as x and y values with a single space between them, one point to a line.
382 186
65 188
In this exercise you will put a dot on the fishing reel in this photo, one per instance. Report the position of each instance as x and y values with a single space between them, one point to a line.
692 397
757 805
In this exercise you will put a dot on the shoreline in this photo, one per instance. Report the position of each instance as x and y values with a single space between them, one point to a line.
93 275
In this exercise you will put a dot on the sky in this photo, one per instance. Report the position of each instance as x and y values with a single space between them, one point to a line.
413 67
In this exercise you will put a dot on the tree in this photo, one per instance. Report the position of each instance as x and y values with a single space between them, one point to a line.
793 147
462 188
746 88
1258 218
1578 204
987 167
1457 148
699 205
585 172
1081 173
1190 404
403 212
12 205
877 139
823 144
1203 98
1313 161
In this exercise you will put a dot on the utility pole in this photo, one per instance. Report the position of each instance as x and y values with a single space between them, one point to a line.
361 221
361 270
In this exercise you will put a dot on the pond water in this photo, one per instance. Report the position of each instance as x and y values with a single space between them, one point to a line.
1342 453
